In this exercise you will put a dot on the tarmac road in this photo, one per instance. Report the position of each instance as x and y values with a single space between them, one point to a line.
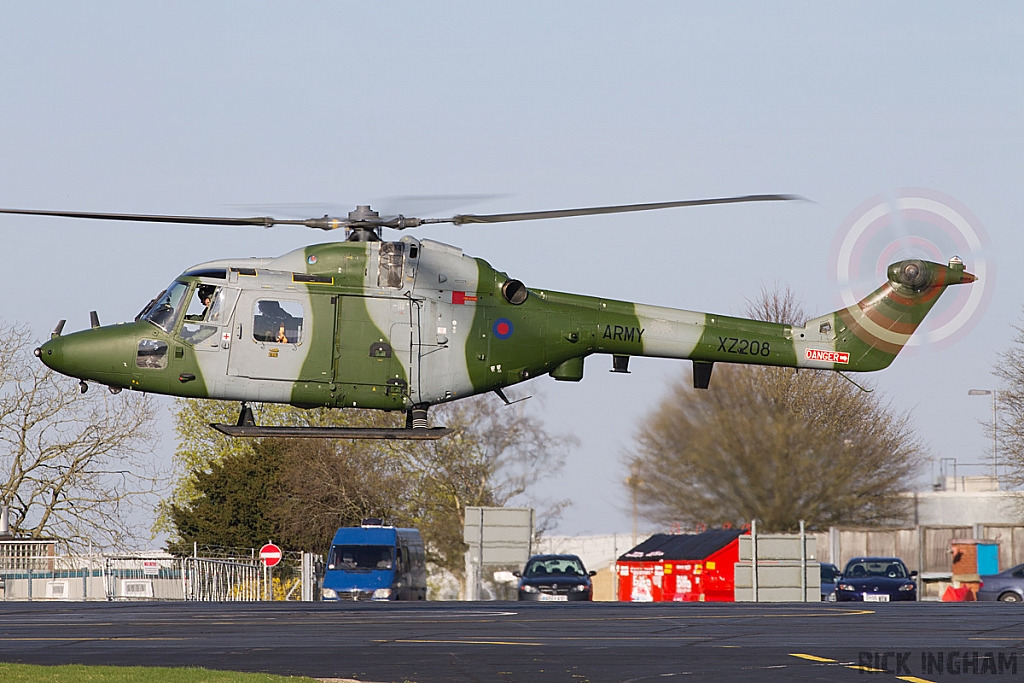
507 641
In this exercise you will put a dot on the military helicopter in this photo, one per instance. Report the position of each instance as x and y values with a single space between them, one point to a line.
407 324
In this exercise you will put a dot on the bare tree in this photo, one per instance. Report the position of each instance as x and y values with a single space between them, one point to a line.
326 484
494 457
773 444
77 467
1010 406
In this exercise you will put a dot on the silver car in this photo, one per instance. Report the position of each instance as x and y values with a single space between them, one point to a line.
1006 586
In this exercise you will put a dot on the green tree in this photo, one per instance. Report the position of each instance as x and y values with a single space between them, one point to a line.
773 444
230 507
493 456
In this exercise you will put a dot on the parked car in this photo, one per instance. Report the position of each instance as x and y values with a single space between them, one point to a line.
829 577
1006 586
555 578
876 579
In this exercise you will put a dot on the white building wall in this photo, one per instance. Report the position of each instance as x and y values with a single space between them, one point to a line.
597 552
966 508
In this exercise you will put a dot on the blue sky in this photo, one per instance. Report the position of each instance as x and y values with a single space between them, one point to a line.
196 107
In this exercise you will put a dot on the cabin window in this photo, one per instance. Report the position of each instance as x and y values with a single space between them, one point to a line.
164 311
152 354
392 256
277 321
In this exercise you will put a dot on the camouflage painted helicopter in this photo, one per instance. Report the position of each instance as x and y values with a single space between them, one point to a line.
404 325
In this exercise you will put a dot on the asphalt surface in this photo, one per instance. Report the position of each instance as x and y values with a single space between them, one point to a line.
536 642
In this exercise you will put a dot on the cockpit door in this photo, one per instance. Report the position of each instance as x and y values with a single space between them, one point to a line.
208 319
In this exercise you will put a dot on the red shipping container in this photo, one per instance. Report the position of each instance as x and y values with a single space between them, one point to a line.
680 568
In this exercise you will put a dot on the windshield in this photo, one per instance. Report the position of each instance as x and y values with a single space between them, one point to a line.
862 569
361 557
163 312
555 566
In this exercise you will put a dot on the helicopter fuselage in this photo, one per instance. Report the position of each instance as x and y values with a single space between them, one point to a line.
392 325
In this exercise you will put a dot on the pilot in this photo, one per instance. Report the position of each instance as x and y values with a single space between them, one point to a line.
204 294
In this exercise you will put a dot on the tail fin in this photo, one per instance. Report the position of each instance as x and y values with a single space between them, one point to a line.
868 335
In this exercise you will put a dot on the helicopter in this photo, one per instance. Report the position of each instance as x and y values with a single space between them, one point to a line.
407 324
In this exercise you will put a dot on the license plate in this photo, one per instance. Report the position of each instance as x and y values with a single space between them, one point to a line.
876 597
553 598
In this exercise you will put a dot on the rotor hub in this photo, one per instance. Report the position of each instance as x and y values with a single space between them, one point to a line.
363 214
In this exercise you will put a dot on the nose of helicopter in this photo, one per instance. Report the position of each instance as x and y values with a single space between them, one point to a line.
52 354
91 354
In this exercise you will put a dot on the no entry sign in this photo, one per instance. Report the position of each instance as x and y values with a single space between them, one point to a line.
270 554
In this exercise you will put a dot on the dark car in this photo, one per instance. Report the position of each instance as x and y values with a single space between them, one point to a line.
555 578
829 577
876 579
1006 586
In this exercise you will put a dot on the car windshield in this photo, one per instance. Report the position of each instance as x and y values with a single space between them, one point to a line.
163 311
829 574
361 557
555 566
862 569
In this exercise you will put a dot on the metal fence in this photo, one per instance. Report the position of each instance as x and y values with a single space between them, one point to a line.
32 570
224 580
922 548
926 549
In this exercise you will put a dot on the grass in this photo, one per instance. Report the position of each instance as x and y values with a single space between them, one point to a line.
76 673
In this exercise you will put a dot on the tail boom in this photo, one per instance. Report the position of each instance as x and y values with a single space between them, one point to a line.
864 337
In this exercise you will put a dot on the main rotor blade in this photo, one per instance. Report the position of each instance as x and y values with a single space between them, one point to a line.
264 221
594 210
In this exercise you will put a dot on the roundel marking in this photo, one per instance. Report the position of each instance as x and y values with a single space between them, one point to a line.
312 259
503 328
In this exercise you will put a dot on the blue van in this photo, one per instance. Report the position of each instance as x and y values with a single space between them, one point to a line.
375 562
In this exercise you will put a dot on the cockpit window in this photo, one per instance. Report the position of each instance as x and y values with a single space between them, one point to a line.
221 306
210 307
164 311
199 306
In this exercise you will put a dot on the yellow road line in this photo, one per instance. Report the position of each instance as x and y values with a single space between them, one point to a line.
1017 638
812 657
857 667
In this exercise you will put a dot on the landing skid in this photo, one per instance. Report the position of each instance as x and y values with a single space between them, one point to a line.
334 432
415 430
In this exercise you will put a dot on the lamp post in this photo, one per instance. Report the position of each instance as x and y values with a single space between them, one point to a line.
995 425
